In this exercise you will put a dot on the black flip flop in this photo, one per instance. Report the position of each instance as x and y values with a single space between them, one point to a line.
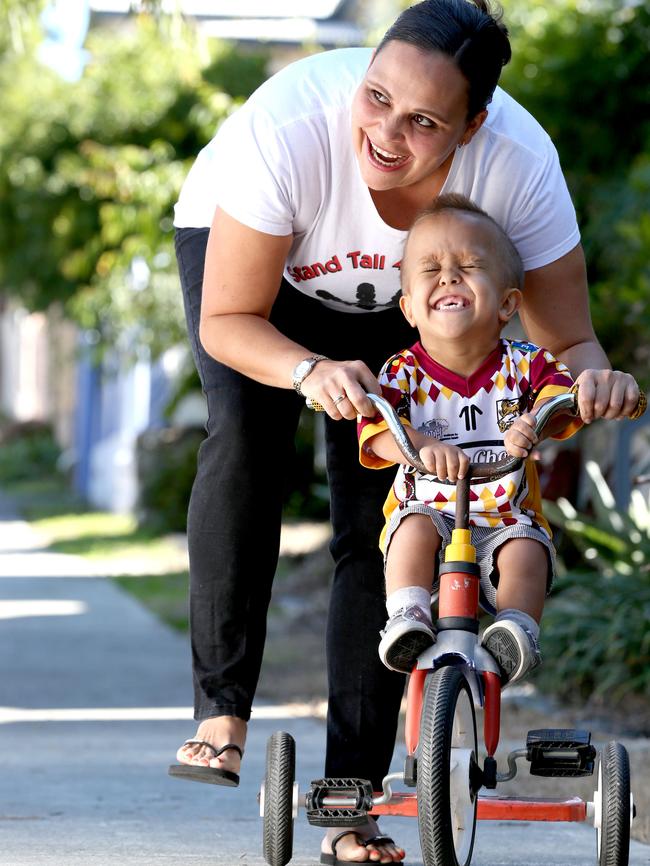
333 860
211 775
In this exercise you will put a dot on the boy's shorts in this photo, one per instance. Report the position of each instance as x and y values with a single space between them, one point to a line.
486 540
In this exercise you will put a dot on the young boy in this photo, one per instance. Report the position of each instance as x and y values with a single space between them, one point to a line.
463 387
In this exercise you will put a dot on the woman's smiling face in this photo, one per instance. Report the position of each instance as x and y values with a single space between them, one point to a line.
408 116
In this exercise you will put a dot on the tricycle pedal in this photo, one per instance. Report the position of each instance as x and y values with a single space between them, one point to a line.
560 752
336 817
488 778
411 771
338 802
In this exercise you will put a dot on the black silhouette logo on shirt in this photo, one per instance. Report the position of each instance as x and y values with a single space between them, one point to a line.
366 298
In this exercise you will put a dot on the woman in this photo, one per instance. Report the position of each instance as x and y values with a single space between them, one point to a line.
292 220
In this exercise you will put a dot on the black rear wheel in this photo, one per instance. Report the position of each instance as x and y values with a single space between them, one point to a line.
278 798
613 804
447 801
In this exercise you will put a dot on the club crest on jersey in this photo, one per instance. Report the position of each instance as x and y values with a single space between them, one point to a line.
523 345
507 410
434 427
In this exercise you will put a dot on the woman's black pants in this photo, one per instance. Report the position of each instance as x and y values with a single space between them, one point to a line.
234 528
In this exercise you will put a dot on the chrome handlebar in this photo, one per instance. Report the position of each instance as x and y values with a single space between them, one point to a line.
478 472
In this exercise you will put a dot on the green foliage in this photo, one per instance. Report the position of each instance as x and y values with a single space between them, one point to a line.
581 70
20 27
166 461
595 633
28 451
43 497
235 71
306 490
618 245
89 173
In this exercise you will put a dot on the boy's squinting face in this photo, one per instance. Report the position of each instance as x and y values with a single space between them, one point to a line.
453 282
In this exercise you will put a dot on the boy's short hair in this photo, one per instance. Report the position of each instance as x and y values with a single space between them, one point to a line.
513 268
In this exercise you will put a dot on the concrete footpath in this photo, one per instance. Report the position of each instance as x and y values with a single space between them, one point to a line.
94 701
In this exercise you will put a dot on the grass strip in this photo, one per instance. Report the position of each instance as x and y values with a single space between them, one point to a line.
166 595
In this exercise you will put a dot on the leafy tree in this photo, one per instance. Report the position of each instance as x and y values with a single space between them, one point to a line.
89 173
618 238
582 71
19 25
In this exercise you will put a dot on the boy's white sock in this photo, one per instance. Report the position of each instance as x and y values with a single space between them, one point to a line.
408 596
523 619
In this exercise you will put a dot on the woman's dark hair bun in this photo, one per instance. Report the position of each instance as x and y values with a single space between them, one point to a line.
469 31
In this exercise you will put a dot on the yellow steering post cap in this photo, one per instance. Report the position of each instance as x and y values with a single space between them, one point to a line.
460 548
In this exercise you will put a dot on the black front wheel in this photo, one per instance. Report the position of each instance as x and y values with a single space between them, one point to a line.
613 806
277 798
447 801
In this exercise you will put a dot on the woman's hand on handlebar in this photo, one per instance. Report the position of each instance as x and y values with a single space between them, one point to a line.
606 394
521 436
447 462
340 387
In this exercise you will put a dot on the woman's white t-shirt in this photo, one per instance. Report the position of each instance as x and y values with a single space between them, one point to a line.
284 164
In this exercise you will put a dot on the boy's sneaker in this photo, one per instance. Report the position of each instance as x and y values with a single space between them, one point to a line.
407 634
513 648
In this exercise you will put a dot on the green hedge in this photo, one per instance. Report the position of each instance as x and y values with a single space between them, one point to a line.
166 461
595 631
28 450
